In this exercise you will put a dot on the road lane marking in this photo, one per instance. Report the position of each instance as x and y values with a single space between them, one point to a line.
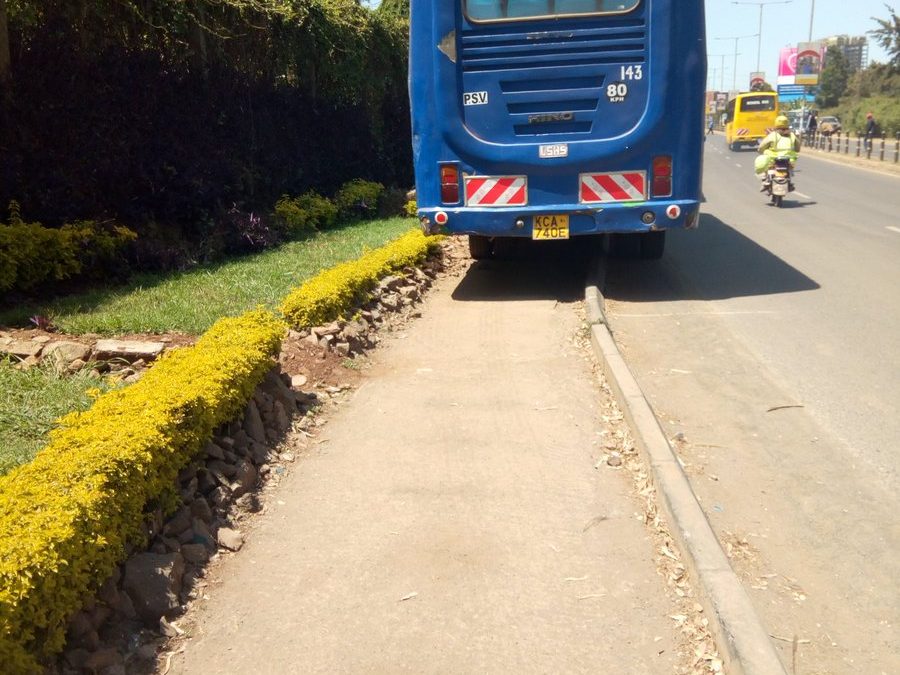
701 313
893 229
800 194
740 166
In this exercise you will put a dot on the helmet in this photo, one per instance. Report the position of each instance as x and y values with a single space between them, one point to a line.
782 122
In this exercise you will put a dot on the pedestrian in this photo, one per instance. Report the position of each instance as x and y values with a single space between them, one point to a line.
871 130
710 125
812 125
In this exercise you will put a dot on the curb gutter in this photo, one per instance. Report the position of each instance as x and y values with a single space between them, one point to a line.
743 642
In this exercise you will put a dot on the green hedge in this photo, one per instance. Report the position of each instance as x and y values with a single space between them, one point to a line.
308 212
32 255
66 517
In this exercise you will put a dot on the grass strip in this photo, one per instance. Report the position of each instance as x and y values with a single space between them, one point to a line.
30 403
191 301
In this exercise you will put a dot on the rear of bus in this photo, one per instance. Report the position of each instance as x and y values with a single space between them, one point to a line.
557 118
750 118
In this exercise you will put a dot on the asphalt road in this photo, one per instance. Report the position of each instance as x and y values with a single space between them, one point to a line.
769 339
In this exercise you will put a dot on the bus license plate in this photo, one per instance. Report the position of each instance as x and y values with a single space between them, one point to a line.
550 227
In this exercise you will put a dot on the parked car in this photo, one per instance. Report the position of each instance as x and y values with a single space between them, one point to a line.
829 125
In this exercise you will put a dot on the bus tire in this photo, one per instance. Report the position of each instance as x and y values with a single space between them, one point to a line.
653 244
480 247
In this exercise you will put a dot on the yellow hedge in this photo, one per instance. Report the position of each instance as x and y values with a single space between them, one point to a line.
333 292
65 518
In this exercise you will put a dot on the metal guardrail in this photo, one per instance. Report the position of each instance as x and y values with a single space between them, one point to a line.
864 147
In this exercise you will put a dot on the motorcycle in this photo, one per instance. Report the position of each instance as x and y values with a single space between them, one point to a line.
778 180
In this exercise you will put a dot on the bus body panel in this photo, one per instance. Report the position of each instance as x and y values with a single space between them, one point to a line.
600 94
743 124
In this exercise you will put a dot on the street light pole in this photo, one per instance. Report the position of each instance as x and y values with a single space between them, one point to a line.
735 38
720 70
759 34
812 11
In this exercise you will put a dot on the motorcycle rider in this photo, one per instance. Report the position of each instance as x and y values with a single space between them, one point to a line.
780 143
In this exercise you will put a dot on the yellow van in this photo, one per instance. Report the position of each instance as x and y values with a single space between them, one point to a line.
750 117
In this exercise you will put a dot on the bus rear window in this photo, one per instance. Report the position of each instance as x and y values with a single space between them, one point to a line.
505 10
757 103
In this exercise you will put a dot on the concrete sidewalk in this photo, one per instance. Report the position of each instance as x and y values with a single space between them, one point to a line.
454 521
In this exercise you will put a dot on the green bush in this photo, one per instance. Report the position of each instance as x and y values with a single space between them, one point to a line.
32 255
299 215
358 199
411 208
392 203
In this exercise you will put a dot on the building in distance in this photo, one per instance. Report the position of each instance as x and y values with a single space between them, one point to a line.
854 49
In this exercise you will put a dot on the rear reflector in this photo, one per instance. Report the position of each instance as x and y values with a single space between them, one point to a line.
449 184
661 185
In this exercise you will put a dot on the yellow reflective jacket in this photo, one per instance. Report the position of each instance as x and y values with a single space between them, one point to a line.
776 145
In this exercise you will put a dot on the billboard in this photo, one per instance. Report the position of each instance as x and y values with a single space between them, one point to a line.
795 92
721 100
809 63
787 65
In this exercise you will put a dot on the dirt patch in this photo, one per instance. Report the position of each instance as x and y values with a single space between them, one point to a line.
36 334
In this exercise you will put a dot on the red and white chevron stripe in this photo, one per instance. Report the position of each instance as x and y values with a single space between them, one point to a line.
496 191
623 186
743 132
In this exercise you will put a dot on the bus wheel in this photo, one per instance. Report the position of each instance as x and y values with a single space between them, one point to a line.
480 247
653 244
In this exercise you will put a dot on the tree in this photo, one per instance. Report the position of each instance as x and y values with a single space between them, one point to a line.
833 82
5 64
399 8
888 36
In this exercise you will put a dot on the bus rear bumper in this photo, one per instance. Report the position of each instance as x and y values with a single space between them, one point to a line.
585 220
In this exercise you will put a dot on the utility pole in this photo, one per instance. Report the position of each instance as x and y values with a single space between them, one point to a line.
735 38
759 34
812 11
720 70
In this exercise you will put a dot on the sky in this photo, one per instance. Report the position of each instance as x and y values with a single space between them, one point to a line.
782 25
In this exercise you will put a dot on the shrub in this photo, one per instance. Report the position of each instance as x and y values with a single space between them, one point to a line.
411 208
32 255
358 199
392 203
66 517
333 292
310 211
247 231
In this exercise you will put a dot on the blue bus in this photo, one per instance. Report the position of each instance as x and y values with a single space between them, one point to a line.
552 119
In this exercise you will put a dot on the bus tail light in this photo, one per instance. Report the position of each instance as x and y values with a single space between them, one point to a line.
449 184
662 176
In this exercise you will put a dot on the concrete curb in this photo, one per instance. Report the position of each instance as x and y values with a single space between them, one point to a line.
743 642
